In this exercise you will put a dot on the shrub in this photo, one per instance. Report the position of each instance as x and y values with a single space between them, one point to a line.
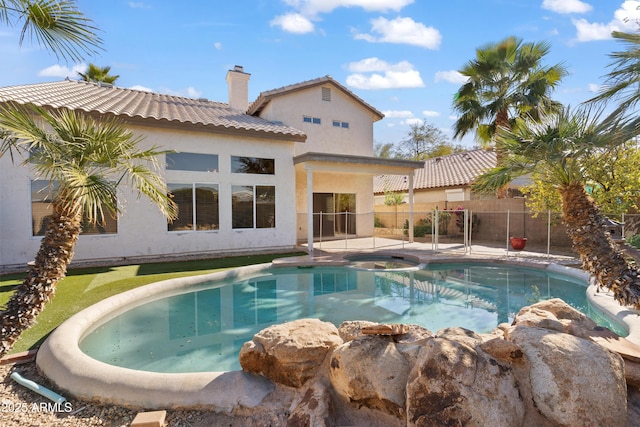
421 228
634 240
474 221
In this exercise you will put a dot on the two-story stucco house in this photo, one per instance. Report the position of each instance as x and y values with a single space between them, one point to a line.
244 175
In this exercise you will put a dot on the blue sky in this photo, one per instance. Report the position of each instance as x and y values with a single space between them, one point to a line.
400 56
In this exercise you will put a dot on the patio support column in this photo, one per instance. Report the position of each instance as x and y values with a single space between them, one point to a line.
411 207
309 209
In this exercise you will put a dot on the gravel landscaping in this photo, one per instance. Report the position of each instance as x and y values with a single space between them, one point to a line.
23 407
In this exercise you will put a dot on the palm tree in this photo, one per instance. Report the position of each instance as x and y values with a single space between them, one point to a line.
559 148
505 81
56 24
623 82
88 160
98 74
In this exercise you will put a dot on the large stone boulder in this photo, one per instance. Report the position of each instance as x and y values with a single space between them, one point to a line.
555 314
574 382
352 329
371 368
408 343
455 382
290 353
314 408
370 371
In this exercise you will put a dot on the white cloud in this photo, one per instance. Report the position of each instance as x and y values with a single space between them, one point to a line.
193 93
625 18
398 114
60 71
217 45
293 23
374 73
312 8
593 87
402 31
566 6
428 113
141 88
189 92
375 64
415 121
451 76
628 14
388 80
304 12
587 31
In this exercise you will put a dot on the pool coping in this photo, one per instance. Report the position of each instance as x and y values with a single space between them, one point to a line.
62 361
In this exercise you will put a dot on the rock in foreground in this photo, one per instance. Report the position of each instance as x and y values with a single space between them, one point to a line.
541 371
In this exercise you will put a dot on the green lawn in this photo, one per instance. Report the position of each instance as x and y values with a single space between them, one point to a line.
84 287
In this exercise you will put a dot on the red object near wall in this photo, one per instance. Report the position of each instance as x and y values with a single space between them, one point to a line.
518 243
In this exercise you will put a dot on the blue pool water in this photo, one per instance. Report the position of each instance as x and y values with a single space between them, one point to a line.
204 329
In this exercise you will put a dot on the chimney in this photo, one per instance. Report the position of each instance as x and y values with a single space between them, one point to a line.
238 82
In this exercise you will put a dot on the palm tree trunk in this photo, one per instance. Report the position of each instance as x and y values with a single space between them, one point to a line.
502 122
30 297
599 254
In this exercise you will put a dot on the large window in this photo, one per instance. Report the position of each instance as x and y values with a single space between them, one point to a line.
42 195
253 165
194 162
197 207
253 205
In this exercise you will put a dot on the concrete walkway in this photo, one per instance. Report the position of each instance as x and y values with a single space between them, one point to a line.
335 249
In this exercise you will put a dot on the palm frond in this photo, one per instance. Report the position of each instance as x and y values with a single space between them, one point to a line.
494 179
623 81
89 159
58 25
154 188
506 80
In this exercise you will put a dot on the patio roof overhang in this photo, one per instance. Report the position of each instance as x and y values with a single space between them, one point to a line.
357 164
322 162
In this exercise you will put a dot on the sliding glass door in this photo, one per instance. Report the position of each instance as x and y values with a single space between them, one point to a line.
334 214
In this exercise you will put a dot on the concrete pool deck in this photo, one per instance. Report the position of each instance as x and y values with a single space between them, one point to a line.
62 361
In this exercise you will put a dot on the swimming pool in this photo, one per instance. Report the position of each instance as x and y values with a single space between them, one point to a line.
203 327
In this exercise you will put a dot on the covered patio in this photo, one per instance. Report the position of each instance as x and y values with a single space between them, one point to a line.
321 176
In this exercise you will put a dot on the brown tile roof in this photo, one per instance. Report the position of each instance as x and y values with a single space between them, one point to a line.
129 103
455 170
264 97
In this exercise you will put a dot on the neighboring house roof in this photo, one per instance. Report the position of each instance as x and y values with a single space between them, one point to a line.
455 170
136 104
265 97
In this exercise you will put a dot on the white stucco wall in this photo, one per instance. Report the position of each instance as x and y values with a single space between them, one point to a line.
142 231
325 138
